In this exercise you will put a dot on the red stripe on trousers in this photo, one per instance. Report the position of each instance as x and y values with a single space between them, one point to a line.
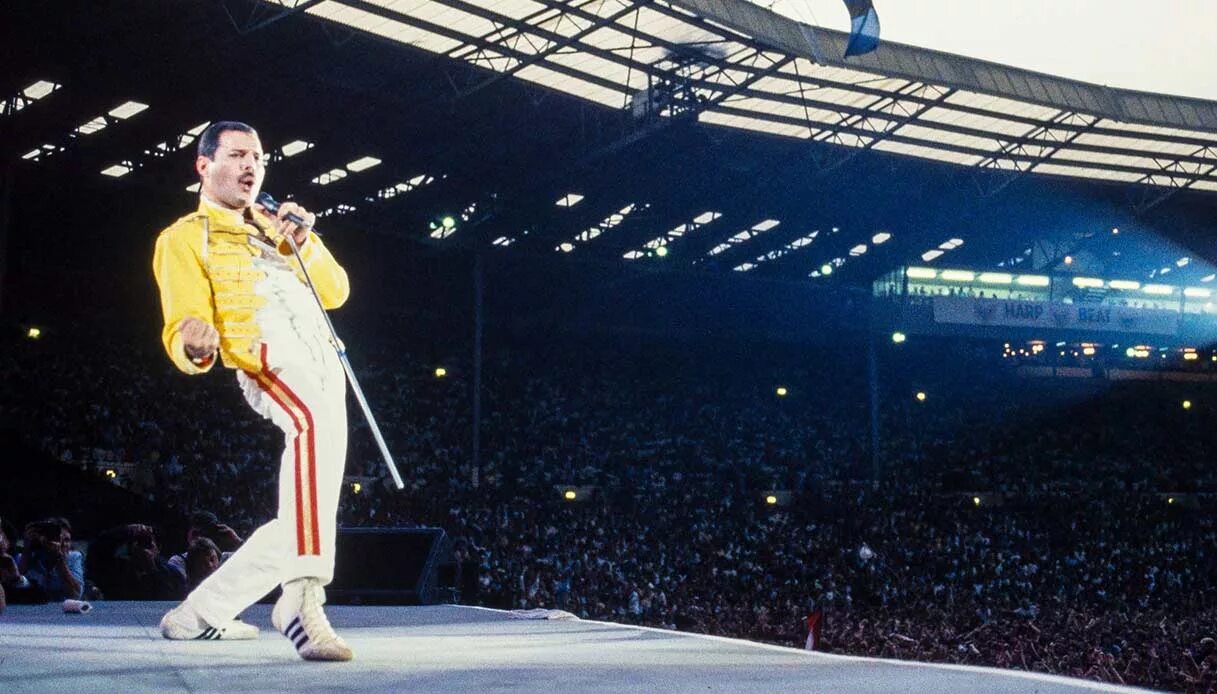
312 462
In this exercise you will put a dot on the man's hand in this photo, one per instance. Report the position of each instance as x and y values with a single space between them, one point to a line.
229 534
200 338
284 227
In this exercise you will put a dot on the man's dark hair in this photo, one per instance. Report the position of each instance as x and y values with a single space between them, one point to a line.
205 521
209 141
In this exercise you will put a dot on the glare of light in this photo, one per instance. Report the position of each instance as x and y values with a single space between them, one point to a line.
662 251
1086 282
570 495
1197 292
1190 356
976 501
921 273
958 275
569 200
826 269
880 238
930 255
448 222
1208 278
356 487
1032 280
1127 285
899 337
1182 262
295 147
39 89
198 129
128 109
920 396
92 126
996 278
1160 289
440 372
858 250
362 164
781 391
1088 351
1069 260
194 187
1130 352
33 333
116 170
771 499
766 224
330 176
1115 230
566 247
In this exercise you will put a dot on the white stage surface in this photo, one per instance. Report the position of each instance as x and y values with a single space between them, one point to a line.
117 647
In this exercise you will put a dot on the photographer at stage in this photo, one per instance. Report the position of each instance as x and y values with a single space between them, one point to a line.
49 561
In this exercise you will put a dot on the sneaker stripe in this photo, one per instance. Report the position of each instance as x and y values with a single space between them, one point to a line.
303 639
205 635
295 633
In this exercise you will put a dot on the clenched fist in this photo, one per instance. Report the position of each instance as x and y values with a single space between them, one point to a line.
199 338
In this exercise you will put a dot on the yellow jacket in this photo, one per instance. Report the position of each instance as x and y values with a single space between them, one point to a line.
204 267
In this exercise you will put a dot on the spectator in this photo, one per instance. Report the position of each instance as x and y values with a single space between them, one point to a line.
206 525
127 564
202 559
49 561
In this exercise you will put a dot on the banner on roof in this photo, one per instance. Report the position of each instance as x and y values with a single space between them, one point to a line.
1054 316
863 27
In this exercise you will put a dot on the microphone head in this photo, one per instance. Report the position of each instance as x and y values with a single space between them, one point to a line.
265 200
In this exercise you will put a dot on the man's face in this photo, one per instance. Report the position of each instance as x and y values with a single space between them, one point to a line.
234 177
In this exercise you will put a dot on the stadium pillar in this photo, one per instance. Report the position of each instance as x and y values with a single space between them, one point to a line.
6 208
872 363
477 368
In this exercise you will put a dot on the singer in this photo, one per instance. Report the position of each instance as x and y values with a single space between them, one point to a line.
232 289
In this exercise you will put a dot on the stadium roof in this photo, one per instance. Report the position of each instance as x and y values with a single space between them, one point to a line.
733 63
695 135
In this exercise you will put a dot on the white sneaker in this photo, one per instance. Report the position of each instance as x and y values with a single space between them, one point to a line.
298 616
182 623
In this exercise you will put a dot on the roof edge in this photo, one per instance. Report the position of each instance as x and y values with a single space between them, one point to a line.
972 74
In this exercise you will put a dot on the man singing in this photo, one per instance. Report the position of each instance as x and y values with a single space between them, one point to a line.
231 287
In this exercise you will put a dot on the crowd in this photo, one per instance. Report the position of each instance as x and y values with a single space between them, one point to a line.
1063 527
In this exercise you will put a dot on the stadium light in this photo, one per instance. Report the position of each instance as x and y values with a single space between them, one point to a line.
976 501
781 391
111 473
996 278
34 333
899 337
921 273
958 275
920 396
356 487
1069 260
1187 404
771 499
1170 499
1087 282
826 269
570 495
440 372
662 251
1033 280
1127 285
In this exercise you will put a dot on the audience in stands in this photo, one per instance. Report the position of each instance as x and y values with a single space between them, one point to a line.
1054 525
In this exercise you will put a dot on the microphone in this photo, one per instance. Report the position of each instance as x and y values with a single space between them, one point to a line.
272 206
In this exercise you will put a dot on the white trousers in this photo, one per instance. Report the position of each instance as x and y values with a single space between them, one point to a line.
303 391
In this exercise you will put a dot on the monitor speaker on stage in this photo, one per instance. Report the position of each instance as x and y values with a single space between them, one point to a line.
392 566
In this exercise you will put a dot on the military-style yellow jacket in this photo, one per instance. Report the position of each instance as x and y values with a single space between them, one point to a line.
204 268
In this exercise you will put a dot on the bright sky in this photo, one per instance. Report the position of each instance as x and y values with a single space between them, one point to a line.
1162 46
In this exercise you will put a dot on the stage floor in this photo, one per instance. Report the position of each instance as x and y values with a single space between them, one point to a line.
117 647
